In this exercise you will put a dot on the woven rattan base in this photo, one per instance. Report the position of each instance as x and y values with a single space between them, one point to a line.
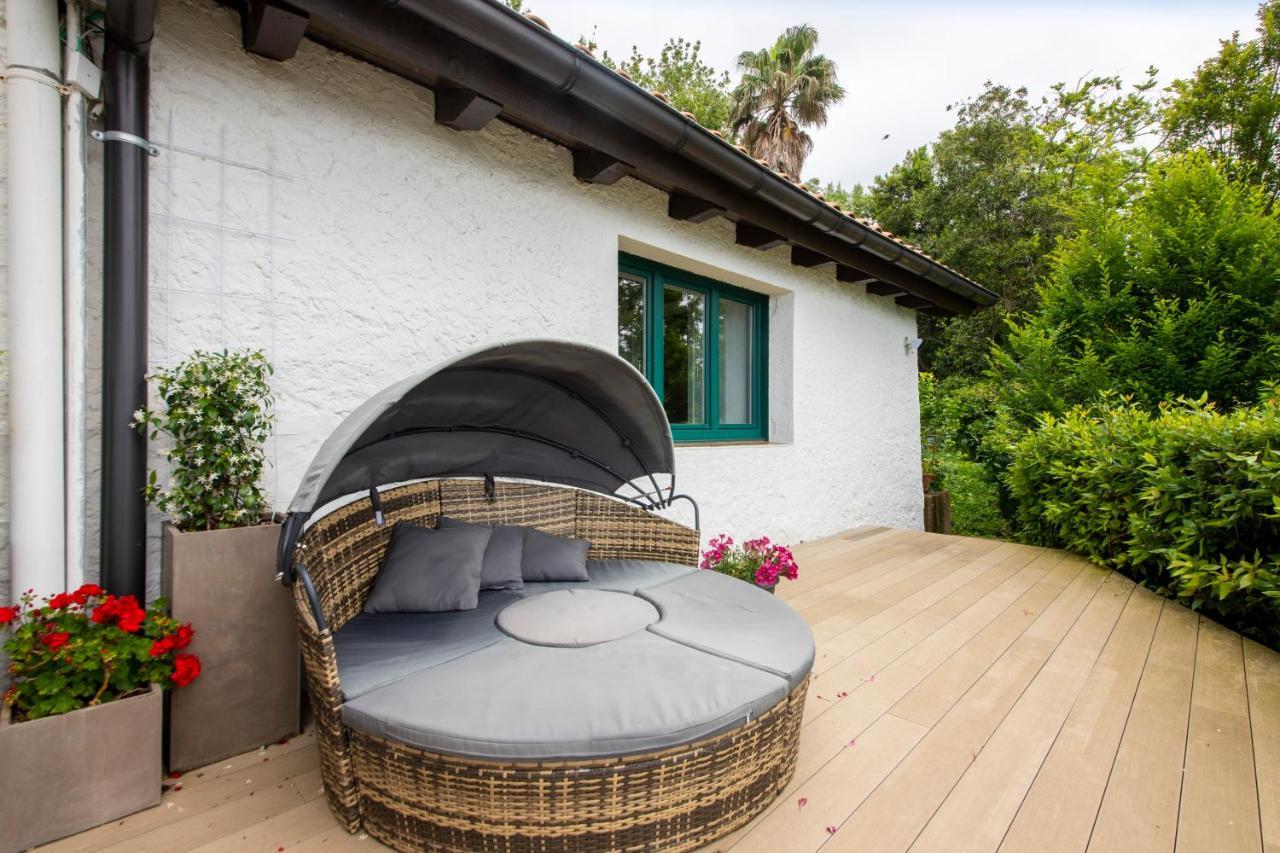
677 799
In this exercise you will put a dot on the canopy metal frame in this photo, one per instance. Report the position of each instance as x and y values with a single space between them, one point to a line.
625 388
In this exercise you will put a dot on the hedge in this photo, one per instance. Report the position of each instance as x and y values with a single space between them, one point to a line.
1185 500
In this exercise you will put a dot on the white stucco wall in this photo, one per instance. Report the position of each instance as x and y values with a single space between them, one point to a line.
4 315
313 208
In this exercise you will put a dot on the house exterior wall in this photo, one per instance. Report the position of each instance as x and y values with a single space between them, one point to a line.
312 208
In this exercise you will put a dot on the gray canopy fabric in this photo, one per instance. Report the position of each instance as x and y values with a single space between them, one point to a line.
543 410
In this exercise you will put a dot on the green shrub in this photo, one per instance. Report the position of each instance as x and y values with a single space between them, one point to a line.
975 502
1185 500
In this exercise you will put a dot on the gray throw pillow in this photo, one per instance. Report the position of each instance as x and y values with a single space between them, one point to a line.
553 558
428 571
501 569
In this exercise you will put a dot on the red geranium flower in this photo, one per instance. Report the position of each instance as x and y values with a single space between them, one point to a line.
186 668
55 639
182 637
85 592
162 646
8 614
62 600
124 610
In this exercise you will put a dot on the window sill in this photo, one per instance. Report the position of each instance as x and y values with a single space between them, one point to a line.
753 442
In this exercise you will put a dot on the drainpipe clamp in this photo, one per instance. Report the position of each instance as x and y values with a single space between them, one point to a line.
121 136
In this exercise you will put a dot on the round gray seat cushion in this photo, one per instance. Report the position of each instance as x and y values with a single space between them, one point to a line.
576 617
642 657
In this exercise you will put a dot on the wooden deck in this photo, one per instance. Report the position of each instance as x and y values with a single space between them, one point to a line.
970 695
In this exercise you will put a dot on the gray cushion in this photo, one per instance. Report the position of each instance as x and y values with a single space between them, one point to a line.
618 575
501 566
514 700
427 571
553 558
732 618
576 617
374 649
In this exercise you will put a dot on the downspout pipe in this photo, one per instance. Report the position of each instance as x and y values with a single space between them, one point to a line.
37 525
127 78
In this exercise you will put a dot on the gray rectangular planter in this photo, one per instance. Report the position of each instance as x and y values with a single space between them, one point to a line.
223 583
63 774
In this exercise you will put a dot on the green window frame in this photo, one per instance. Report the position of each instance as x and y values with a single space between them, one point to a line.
655 290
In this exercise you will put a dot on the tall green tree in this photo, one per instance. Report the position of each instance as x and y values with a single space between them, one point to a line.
993 194
1231 106
786 89
681 75
1176 296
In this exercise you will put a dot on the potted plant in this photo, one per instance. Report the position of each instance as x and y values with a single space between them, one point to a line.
757 561
219 551
81 726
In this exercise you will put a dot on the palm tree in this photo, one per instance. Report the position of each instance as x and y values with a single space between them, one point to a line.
785 89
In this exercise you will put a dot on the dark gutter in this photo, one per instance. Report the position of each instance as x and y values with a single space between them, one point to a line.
507 34
127 72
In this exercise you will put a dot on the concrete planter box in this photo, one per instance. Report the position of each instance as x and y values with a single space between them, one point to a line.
64 774
248 693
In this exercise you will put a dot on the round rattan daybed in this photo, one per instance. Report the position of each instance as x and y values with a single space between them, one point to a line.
668 718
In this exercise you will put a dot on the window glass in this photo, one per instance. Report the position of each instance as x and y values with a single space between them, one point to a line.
702 344
631 316
683 354
736 360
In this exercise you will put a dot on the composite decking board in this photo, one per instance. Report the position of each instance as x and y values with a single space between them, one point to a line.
891 818
1058 812
840 567
199 800
899 586
829 798
882 650
1139 810
845 720
1000 613
1262 672
934 640
1219 805
976 814
822 595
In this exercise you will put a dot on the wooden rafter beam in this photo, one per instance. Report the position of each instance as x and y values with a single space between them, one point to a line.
273 29
880 288
595 167
802 257
756 237
393 38
687 208
913 302
463 109
849 275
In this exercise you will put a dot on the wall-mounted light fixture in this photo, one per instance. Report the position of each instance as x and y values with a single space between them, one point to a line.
912 345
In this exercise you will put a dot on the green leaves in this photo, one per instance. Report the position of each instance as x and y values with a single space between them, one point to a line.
1185 500
217 416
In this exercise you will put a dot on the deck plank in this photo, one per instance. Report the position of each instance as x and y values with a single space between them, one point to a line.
1139 811
1058 812
1219 788
892 817
969 694
977 813
1262 670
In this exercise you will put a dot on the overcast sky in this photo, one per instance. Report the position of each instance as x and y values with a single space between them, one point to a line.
903 62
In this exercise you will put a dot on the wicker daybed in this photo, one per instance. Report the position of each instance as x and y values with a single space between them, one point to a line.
455 731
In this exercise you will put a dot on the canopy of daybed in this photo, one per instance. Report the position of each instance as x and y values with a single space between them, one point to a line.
539 410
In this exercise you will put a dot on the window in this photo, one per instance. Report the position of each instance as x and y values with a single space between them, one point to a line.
700 343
